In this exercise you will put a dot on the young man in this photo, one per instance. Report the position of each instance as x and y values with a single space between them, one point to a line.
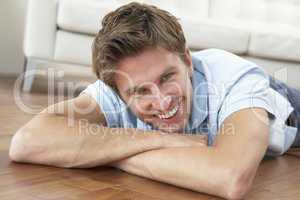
202 121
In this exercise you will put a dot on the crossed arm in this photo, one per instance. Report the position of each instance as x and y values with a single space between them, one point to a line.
226 169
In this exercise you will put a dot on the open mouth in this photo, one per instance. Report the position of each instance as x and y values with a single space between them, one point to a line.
171 113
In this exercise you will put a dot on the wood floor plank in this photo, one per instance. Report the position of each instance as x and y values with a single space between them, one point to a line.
113 194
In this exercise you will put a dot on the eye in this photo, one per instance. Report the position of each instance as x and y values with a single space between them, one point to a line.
167 77
142 91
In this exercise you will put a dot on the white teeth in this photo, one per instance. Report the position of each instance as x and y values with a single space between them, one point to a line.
169 114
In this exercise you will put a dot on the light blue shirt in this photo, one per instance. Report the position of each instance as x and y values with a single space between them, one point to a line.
223 83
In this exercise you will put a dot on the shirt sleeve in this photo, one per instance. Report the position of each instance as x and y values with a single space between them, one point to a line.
252 90
108 101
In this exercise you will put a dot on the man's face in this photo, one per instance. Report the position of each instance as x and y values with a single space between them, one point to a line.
156 85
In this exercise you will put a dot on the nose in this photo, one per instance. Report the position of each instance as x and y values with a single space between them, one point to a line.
161 102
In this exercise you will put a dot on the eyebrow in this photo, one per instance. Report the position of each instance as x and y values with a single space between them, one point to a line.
134 88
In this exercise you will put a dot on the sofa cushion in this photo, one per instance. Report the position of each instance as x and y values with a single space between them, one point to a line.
85 16
73 48
266 11
209 33
275 41
182 9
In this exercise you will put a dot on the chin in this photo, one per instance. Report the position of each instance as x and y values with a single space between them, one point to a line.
170 128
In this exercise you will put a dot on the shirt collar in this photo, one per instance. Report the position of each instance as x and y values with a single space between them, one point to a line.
199 111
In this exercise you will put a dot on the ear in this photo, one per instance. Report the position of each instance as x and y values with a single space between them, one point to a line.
188 62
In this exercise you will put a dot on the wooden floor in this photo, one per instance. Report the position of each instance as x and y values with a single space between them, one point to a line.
276 178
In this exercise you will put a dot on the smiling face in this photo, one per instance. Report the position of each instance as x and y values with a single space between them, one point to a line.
156 85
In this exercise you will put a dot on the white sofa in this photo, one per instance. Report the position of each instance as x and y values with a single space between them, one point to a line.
59 33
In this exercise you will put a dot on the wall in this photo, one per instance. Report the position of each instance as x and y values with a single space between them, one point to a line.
12 20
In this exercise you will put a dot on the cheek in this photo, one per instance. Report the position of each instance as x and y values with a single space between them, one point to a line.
137 107
178 87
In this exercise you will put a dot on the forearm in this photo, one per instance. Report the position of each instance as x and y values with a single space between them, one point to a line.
202 169
178 166
52 140
49 140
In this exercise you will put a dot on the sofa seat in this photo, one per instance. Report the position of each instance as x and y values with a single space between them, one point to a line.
74 48
270 40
